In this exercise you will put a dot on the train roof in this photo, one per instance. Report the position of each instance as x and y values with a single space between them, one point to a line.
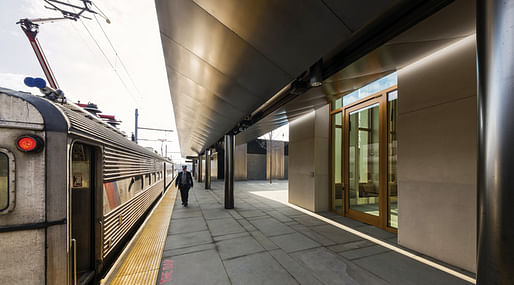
73 119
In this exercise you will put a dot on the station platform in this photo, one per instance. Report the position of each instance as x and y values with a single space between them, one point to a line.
265 240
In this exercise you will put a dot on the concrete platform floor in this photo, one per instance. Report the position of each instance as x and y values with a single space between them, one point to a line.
263 241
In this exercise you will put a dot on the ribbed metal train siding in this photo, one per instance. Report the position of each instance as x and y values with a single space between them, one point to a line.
120 164
118 222
122 159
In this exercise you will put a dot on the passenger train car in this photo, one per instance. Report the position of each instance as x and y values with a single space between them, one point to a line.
72 191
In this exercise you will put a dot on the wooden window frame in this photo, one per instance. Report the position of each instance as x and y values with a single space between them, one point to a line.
381 221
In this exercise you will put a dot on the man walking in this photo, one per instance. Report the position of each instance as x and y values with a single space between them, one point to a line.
184 181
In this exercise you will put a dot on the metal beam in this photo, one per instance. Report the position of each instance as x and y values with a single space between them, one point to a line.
229 171
495 182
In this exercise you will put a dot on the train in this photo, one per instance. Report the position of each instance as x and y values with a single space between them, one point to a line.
73 190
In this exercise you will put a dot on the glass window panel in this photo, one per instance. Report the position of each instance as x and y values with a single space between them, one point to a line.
337 143
370 89
147 180
364 160
392 150
338 103
4 181
81 166
120 191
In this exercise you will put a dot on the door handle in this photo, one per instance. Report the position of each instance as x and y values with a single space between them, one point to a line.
100 221
74 253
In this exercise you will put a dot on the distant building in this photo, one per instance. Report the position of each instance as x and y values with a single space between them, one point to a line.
252 161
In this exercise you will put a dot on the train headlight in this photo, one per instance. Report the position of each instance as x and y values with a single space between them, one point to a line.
29 143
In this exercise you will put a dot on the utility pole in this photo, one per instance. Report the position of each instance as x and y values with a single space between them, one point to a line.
136 128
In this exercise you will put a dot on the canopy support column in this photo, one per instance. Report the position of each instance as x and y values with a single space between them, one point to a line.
199 168
495 179
207 169
229 171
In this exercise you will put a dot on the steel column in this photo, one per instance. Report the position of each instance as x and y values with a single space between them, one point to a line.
495 179
199 168
193 170
207 169
229 171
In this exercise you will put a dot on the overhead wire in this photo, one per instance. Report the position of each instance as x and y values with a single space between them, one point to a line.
101 13
105 55
109 61
118 56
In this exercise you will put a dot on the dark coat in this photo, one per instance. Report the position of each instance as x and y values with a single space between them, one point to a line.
179 179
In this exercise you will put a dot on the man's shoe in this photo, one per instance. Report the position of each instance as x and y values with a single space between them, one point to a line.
185 204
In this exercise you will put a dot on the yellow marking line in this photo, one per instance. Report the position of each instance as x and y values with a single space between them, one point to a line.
140 260
280 198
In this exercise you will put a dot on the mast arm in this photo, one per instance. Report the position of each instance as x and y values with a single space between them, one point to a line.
31 30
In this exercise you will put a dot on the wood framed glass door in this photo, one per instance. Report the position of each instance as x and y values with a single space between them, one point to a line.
364 161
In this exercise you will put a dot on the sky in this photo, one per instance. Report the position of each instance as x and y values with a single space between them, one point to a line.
85 74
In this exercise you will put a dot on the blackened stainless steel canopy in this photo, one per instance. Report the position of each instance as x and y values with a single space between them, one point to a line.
227 58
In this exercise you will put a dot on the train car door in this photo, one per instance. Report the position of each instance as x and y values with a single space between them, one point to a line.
82 213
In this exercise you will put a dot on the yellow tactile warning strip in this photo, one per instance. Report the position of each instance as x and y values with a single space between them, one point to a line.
141 265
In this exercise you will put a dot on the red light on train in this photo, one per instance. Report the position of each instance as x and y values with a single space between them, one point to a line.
29 143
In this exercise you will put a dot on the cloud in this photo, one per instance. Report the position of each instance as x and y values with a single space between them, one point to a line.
14 81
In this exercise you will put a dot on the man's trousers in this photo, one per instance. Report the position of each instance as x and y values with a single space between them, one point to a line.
184 193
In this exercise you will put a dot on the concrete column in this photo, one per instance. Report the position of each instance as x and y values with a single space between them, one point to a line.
199 179
495 55
207 169
229 171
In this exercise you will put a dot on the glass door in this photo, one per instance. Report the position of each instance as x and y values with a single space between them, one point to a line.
363 161
82 215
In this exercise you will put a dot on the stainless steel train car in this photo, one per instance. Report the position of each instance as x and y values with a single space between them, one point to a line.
72 191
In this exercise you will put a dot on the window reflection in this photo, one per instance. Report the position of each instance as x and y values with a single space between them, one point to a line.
370 89
392 150
337 143
364 160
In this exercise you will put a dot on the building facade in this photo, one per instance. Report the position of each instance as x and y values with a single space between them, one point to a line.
400 154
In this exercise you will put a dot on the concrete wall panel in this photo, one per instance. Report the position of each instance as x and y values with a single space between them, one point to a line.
256 166
240 162
308 161
437 156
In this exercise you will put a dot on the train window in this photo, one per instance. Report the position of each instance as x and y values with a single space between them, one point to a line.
138 184
6 181
81 166
147 180
120 191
